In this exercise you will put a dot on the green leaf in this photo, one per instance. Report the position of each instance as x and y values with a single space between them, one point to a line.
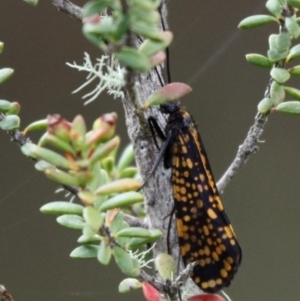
104 252
42 165
129 284
34 151
134 232
281 75
129 172
295 93
117 223
61 177
265 105
10 122
292 26
57 142
128 265
4 105
138 241
95 7
93 217
126 158
295 71
255 21
32 2
258 60
165 265
274 7
294 3
87 239
71 221
277 93
280 42
142 28
289 107
118 186
1 47
294 53
104 149
275 56
39 125
133 59
85 252
122 200
61 207
149 16
5 74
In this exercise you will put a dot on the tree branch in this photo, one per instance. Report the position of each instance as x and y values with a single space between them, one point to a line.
69 8
245 150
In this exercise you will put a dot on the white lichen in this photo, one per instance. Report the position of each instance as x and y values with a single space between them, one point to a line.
107 71
140 257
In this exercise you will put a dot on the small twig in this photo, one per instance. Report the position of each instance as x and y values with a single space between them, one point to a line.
69 8
245 150
135 222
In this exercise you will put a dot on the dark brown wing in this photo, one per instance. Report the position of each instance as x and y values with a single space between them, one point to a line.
204 231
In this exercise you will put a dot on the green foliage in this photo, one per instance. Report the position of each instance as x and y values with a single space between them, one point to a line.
280 53
139 17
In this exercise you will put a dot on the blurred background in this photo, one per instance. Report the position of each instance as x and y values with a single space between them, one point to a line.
208 53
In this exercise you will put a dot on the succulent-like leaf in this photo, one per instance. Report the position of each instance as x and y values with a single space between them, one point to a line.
294 3
274 7
294 53
71 221
129 284
104 252
134 232
295 93
165 265
5 74
150 47
32 2
128 265
93 218
126 158
150 292
61 207
4 105
277 93
62 177
265 105
10 122
94 7
256 20
295 71
289 107
292 26
133 59
118 186
170 92
258 60
85 252
281 75
122 200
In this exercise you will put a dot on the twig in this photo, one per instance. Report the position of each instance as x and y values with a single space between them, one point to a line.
245 150
135 222
69 8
